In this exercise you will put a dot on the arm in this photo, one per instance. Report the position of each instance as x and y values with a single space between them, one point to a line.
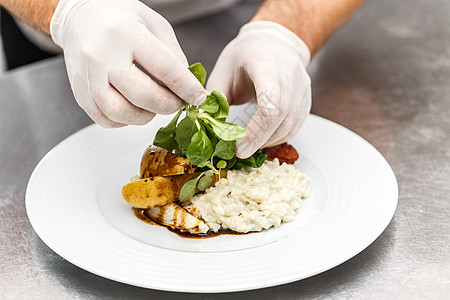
313 20
34 12
268 61
102 57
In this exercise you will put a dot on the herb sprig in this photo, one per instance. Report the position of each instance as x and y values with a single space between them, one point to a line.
205 139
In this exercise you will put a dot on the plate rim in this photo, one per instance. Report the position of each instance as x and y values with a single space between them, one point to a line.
361 248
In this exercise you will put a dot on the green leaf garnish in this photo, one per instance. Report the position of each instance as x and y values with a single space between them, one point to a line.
165 136
204 183
224 107
222 164
211 104
225 149
205 139
199 72
200 149
260 159
231 162
188 189
185 131
254 161
224 130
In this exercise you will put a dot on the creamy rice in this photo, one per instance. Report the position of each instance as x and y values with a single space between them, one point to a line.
252 199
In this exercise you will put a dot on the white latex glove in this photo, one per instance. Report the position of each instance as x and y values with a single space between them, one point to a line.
102 41
268 61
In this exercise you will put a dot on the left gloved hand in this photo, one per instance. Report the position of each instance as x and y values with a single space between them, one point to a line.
268 61
103 42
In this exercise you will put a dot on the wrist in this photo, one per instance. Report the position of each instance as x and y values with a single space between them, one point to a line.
312 20
62 12
35 13
281 32
47 14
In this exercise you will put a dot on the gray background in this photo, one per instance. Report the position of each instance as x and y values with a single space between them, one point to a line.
383 75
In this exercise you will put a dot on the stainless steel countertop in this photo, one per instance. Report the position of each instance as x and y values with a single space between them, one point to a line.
384 75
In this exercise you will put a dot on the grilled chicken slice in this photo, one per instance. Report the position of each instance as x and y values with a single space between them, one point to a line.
174 216
201 228
155 191
191 209
157 161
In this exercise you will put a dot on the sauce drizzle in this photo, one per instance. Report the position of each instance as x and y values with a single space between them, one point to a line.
141 215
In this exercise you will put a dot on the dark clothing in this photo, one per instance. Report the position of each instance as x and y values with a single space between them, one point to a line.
18 49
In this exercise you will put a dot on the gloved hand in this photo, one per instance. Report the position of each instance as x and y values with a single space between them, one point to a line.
102 41
268 61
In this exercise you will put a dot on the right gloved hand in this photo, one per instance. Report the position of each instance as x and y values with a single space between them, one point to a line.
267 61
102 41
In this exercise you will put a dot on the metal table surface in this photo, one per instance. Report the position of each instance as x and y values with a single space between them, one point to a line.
384 75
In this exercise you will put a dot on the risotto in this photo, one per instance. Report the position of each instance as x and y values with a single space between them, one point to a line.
252 199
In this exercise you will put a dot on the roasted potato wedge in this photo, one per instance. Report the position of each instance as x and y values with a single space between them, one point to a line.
157 161
155 191
158 191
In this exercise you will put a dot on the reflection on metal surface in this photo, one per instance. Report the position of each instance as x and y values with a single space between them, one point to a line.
384 75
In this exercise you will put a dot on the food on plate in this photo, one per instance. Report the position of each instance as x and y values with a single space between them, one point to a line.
245 200
158 190
155 191
191 179
176 217
159 161
252 199
284 152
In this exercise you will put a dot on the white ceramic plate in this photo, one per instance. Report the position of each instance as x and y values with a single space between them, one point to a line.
74 204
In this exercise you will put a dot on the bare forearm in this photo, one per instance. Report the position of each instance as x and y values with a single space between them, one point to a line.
37 13
312 20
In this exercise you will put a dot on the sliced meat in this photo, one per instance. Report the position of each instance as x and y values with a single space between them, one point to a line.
172 215
191 209
176 217
201 228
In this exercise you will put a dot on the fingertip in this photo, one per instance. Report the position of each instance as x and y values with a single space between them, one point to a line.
243 149
201 98
196 99
198 92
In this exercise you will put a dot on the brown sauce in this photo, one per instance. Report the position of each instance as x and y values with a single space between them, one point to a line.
208 235
140 214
